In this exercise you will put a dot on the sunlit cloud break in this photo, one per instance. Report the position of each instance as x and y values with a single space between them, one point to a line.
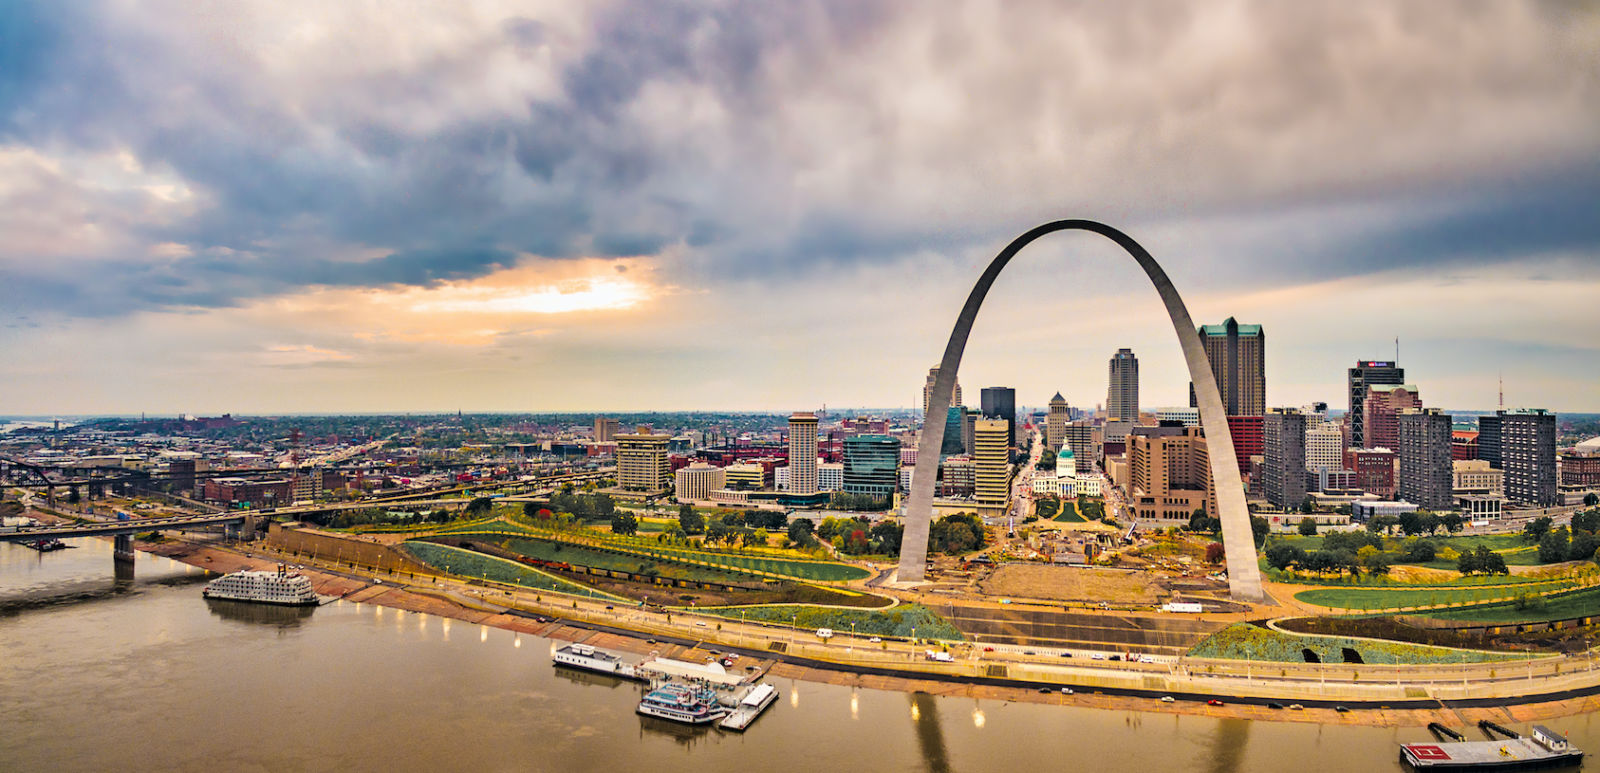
591 294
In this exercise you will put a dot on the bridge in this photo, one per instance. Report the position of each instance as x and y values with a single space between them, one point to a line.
123 531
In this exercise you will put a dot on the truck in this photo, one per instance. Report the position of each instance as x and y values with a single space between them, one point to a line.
939 655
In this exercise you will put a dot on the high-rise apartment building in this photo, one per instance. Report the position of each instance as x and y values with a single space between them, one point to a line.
1122 392
1382 410
1324 447
803 453
1055 421
1424 435
1528 456
1365 374
1084 438
991 459
642 461
1001 403
605 430
872 465
927 391
1283 469
1238 355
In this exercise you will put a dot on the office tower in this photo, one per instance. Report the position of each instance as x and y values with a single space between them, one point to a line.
1283 470
927 391
605 430
1169 475
1376 469
830 476
696 482
955 430
1365 374
1489 445
642 461
1001 403
1055 422
745 476
1246 433
1122 393
1238 355
1528 455
871 465
1424 447
991 459
1084 438
803 453
1382 412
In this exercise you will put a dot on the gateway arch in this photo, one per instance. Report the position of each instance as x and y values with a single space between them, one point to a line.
1244 574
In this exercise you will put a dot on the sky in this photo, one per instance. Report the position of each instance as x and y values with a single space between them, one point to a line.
278 207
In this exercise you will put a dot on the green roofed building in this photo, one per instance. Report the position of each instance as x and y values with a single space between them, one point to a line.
1238 356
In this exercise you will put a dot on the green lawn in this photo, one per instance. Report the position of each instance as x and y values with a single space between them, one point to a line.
1069 514
626 562
1564 606
1386 597
1243 641
900 621
469 563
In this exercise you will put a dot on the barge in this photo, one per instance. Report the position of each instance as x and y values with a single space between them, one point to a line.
1544 748
586 658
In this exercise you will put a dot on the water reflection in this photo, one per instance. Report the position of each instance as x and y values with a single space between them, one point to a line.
1227 745
589 678
930 736
686 735
259 614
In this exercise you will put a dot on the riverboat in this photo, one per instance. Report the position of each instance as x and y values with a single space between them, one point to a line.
587 658
46 545
1544 748
682 703
279 587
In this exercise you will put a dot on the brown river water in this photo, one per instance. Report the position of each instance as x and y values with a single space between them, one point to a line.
100 673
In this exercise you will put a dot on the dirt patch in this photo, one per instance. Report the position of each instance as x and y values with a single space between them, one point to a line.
1062 583
1421 575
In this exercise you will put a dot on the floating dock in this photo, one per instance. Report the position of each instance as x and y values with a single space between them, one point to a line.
750 706
1544 749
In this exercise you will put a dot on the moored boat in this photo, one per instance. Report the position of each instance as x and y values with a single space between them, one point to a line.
682 703
279 587
1544 748
587 658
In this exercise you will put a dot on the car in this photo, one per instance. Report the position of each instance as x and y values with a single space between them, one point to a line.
1296 707
988 649
1030 652
825 633
1213 702
608 606
875 639
1066 691
1168 699
1341 709
1097 656
1044 689
1274 705
700 623
1115 657
1066 654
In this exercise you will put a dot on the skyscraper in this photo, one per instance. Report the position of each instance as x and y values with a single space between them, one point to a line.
955 431
642 461
991 458
1001 403
927 390
1169 475
1365 374
1528 455
1489 445
1122 395
1055 422
1382 413
1425 478
1084 438
803 453
1238 355
605 430
1283 471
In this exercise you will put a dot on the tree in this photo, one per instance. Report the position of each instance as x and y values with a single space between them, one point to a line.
800 532
1482 560
1591 499
1553 546
888 535
1582 547
690 520
1282 555
624 523
1420 551
1536 528
1588 520
1307 527
604 506
479 507
1452 522
1428 522
1308 506
1384 523
1411 523
1215 553
1200 523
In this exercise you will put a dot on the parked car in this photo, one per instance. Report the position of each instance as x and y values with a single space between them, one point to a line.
1168 699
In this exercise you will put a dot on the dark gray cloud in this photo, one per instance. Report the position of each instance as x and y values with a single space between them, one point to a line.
778 138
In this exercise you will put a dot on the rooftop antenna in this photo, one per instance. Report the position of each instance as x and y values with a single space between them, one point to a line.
1502 390
1397 350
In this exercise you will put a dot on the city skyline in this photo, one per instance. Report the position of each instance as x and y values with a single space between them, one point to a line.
634 208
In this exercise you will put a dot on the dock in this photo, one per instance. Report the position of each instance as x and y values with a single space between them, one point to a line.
750 706
1545 748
